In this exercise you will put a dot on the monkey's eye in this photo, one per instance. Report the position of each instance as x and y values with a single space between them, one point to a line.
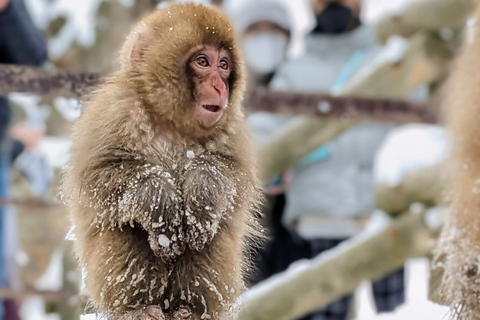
202 61
224 64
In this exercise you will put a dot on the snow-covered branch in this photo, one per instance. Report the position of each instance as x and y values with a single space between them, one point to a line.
308 285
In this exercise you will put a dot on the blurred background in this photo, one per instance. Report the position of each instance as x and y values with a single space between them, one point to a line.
334 183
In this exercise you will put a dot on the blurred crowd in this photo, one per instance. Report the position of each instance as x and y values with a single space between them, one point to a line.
20 43
328 196
321 201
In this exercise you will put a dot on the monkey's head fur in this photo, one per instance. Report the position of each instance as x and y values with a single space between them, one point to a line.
154 66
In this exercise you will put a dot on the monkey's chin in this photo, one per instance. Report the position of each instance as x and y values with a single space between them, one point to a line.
209 115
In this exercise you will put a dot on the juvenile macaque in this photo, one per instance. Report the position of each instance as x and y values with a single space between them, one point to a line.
161 184
458 252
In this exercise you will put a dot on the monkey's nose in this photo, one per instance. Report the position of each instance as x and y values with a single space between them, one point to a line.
219 87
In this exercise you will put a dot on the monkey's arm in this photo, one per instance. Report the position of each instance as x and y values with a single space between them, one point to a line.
210 191
125 189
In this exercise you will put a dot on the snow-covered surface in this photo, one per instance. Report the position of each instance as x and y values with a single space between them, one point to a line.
34 309
80 22
416 307
55 150
373 10
69 108
275 282
409 148
51 279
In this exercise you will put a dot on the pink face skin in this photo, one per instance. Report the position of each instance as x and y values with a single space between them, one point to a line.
211 68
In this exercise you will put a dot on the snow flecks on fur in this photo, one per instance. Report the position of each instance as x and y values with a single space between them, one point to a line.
178 208
459 259
151 191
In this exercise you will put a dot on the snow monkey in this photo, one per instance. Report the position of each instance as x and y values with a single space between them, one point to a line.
161 183
458 252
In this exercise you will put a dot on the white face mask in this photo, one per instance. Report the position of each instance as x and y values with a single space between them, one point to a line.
265 51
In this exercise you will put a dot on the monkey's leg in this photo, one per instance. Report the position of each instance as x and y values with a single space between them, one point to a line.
216 281
123 274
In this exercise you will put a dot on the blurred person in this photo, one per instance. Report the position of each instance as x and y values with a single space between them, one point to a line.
264 27
20 43
331 193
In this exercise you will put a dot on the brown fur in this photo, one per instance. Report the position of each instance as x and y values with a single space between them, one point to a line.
130 179
458 252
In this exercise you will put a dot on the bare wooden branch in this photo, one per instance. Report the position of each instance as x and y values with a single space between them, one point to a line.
14 78
344 107
27 203
46 295
38 81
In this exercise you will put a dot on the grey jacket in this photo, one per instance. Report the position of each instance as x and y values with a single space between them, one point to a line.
341 187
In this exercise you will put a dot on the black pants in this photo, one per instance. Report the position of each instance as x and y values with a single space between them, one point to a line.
388 292
282 248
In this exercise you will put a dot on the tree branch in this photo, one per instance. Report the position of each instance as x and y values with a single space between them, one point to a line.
313 284
25 79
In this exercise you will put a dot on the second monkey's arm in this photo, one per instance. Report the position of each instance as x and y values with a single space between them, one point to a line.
209 192
125 189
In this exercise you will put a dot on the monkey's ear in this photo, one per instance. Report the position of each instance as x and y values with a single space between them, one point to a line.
137 55
133 51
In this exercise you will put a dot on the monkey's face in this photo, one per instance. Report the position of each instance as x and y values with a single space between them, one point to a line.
210 69
183 62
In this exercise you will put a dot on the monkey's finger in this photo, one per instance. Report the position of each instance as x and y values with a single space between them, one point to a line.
198 239
183 313
153 313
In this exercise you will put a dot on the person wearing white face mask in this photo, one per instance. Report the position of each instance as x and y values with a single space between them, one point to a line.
330 196
265 50
264 27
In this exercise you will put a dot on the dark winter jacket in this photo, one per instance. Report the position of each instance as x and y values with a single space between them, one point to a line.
20 43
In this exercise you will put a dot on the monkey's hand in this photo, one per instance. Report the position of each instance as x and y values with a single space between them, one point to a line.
165 230
209 193
134 191
167 243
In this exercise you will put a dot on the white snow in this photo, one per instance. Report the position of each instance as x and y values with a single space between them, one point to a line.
33 308
416 307
163 240
55 150
80 22
409 148
69 108
52 277
394 50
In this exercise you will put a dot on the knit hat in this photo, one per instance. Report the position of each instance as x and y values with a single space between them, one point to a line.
253 11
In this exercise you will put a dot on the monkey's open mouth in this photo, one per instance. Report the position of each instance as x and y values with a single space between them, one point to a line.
211 107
